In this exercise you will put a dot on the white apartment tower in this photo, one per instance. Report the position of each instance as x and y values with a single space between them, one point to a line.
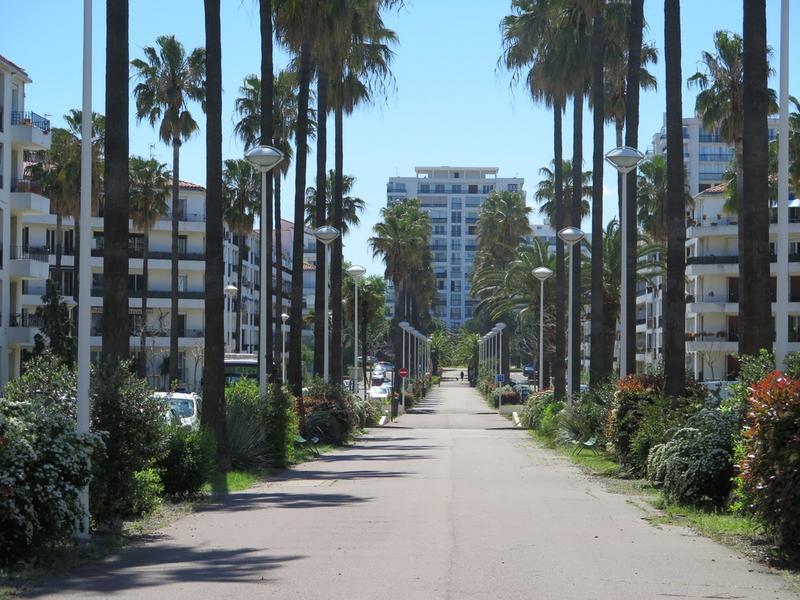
452 196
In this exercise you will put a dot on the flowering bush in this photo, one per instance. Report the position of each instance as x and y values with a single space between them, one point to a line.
696 465
508 394
770 470
44 462
535 408
330 413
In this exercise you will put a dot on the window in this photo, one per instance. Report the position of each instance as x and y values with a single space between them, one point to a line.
473 189
182 244
488 187
136 244
456 174
440 284
472 229
455 216
455 245
455 285
455 231
181 282
439 188
456 189
455 203
439 230
424 188
512 187
135 282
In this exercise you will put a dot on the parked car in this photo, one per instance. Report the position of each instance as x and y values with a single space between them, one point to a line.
523 390
380 392
386 366
180 406
528 371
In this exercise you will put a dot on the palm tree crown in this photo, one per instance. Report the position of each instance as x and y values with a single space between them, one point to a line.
545 191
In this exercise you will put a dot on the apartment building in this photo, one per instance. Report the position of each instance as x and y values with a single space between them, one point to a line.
452 196
21 262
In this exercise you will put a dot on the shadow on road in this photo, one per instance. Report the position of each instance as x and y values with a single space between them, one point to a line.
148 565
260 500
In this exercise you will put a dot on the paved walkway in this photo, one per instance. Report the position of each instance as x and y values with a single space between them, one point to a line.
447 503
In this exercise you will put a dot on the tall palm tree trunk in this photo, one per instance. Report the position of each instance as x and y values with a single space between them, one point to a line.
755 308
559 368
267 126
336 258
173 297
115 256
213 413
599 362
301 140
320 318
577 251
278 346
239 265
635 26
59 249
675 297
145 281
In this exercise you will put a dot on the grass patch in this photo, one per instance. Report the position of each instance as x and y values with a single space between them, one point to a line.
596 464
712 523
233 481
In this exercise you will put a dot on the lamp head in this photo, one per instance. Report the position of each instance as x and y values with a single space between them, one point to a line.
356 271
500 326
326 234
231 290
624 158
284 317
542 273
264 158
403 324
571 235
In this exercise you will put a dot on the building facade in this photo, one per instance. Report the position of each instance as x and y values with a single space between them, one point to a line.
452 196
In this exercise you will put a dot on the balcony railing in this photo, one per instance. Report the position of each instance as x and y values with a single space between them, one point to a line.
19 117
26 185
41 253
26 320
184 216
97 291
135 252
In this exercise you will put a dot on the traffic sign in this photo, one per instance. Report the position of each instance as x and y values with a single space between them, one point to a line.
501 378
403 372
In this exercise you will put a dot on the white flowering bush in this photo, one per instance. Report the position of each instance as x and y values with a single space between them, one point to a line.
44 462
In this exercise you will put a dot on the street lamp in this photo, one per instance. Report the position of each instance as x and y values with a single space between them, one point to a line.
571 236
782 306
542 274
624 159
264 158
499 327
325 235
230 291
356 272
284 318
404 325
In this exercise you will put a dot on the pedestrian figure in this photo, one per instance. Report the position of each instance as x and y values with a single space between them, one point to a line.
462 375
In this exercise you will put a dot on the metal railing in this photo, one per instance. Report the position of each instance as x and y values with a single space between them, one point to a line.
26 185
26 320
19 117
712 260
41 253
190 217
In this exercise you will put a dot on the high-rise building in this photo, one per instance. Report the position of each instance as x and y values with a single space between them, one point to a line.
452 196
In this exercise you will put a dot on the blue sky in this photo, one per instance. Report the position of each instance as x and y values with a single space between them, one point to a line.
450 105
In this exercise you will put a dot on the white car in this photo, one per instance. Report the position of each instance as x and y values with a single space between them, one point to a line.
181 406
380 392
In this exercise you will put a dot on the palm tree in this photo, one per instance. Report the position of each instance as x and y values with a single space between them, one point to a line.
149 190
351 205
213 413
169 80
545 190
115 254
675 297
653 186
758 101
242 188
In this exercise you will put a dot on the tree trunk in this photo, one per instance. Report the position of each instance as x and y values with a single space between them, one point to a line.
755 308
173 298
336 258
117 194
599 363
320 219
145 279
577 253
301 141
635 26
239 266
674 330
267 134
59 249
77 268
213 413
559 367
278 346
365 323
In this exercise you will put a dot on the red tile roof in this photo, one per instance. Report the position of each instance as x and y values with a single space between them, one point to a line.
716 189
309 267
188 185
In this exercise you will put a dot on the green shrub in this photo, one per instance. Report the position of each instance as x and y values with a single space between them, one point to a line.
534 409
146 491
188 461
44 462
633 394
549 422
771 466
368 412
330 413
244 418
696 465
752 369
123 406
583 418
660 420
280 427
792 365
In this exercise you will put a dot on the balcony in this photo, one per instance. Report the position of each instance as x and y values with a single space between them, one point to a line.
27 198
24 328
137 252
28 262
29 130
187 217
97 291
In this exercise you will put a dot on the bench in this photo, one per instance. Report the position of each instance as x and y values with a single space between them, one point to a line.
310 444
590 444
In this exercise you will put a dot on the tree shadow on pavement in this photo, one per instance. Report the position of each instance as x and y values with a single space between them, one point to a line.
148 565
261 500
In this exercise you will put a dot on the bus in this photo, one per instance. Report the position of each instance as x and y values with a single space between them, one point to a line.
238 366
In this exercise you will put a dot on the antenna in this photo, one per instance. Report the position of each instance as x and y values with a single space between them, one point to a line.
152 148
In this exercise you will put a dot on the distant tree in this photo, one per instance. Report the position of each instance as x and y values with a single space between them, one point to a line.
56 325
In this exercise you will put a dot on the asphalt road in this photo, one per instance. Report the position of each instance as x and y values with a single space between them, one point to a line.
447 503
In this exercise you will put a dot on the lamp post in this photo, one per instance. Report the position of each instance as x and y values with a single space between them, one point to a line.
84 275
782 306
624 159
571 236
264 158
542 274
230 291
325 235
404 325
284 318
500 327
356 271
